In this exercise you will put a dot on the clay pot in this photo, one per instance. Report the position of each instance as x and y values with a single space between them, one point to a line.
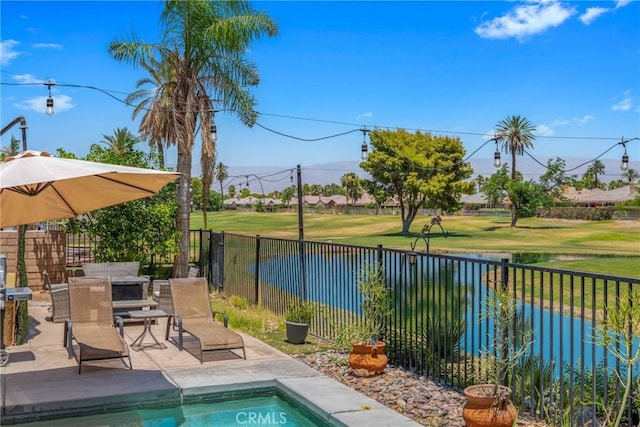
368 357
484 409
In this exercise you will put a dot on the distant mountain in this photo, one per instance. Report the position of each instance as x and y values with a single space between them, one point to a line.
269 179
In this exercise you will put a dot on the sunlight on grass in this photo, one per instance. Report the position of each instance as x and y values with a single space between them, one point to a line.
262 324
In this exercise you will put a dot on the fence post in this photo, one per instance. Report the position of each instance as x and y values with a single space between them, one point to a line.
220 262
504 284
257 272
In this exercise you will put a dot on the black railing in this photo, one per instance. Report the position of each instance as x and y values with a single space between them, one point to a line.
436 328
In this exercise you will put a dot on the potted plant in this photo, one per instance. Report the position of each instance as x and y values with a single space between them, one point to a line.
298 316
367 353
490 404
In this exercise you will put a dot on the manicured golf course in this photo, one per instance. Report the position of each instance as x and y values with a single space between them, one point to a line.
617 241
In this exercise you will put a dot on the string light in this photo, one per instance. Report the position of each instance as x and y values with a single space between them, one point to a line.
364 148
49 110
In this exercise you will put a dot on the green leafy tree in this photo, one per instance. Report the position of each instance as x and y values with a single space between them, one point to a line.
418 170
352 185
203 50
526 197
377 192
514 134
136 230
495 187
555 177
245 192
197 193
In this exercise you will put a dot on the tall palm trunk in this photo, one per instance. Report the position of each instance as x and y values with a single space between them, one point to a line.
183 199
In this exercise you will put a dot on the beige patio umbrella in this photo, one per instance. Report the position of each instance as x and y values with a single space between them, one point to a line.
36 186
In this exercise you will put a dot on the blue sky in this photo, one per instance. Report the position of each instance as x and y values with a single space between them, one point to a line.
571 68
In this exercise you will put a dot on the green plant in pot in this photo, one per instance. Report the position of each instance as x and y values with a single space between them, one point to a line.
298 316
367 349
490 404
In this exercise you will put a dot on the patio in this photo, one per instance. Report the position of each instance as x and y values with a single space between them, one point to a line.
41 381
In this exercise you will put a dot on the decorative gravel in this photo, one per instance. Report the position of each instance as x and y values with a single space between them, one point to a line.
417 397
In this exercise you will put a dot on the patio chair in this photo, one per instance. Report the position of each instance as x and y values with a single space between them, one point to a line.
59 302
193 272
192 314
91 322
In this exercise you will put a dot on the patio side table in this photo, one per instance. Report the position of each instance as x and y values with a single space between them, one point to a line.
147 316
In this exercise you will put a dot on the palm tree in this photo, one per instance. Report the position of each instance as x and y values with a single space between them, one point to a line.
121 142
596 168
151 127
515 133
353 186
222 173
202 58
631 175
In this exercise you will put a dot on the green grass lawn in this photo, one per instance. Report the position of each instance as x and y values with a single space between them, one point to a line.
464 234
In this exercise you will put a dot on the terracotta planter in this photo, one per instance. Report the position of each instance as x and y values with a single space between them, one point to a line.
368 357
483 409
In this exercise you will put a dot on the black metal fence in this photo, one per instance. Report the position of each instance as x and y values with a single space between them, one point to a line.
437 328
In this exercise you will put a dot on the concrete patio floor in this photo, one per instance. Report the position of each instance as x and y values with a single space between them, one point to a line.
41 380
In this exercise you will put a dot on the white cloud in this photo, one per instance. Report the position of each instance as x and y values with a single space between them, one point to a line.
622 3
27 79
8 52
38 104
47 46
364 116
584 119
526 20
625 103
544 130
592 14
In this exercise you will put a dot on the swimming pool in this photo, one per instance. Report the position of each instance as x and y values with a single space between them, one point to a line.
271 409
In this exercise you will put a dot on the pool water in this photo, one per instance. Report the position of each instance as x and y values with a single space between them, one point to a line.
267 411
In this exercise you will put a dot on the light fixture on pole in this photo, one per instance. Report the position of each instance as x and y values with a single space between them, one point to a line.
364 149
49 109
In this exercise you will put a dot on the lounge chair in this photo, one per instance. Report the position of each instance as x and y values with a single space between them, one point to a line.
192 314
91 322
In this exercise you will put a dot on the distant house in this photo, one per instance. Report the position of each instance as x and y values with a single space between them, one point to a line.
610 197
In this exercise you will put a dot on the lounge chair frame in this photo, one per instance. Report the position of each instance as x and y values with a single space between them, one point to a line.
91 323
192 314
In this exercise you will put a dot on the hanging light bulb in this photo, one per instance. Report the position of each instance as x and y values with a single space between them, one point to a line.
49 110
625 160
364 149
291 176
496 158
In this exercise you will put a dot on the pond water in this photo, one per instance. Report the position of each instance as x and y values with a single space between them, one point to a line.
558 337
